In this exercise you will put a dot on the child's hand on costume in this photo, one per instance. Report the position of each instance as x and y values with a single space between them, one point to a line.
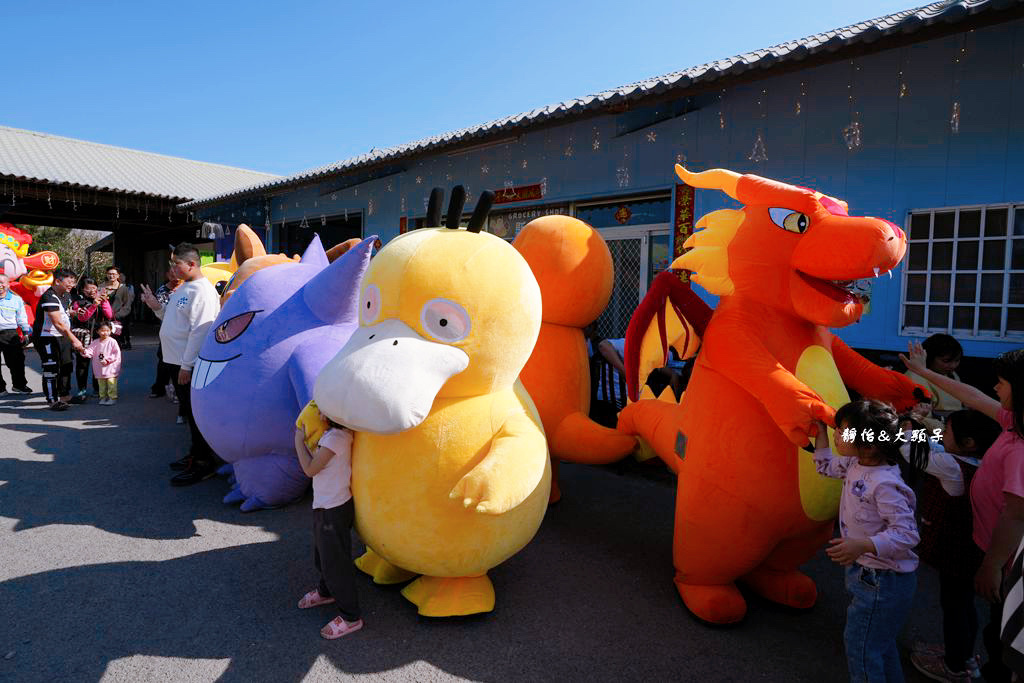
845 551
821 438
300 443
921 410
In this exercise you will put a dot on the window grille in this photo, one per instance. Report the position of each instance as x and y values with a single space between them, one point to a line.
964 272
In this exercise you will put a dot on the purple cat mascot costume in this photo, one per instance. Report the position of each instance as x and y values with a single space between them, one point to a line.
256 369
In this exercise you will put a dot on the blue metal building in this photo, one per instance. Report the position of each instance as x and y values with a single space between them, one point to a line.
917 117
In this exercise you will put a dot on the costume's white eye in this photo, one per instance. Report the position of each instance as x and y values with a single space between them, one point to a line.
232 328
369 306
445 320
791 220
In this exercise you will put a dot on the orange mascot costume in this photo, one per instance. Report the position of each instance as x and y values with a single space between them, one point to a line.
750 505
573 267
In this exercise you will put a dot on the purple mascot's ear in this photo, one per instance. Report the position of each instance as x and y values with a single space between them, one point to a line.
315 253
333 293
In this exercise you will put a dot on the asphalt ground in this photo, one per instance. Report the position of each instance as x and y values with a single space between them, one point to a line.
109 573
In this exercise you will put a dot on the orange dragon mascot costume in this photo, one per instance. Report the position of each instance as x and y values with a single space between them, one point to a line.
29 275
750 505
574 269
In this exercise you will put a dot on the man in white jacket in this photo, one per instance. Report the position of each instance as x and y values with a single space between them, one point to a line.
187 318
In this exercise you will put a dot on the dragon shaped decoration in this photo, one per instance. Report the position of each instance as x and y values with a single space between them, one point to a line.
750 505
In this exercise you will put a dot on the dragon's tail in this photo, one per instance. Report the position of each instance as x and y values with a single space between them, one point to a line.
670 316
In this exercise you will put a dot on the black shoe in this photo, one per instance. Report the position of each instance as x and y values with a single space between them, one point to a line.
200 471
182 464
77 399
23 390
59 405
153 394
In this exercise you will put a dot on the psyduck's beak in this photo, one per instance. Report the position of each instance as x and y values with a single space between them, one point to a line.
385 379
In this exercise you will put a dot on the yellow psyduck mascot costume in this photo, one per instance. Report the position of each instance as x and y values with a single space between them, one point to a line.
450 470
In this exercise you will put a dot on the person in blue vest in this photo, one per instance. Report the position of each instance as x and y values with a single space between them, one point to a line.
12 319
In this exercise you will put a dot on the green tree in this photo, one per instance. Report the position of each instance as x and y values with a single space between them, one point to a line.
70 246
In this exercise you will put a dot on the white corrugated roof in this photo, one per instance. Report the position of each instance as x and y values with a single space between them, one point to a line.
41 157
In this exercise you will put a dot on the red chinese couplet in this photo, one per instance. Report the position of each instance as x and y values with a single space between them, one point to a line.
682 223
682 218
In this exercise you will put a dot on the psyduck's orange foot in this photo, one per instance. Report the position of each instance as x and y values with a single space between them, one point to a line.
718 604
383 572
451 597
786 587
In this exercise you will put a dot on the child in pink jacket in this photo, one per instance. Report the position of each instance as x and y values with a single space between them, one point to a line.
106 363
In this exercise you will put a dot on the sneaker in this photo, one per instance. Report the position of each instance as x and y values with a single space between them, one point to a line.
111 401
182 464
338 627
179 420
3 392
59 406
974 666
199 471
23 390
934 667
154 394
77 399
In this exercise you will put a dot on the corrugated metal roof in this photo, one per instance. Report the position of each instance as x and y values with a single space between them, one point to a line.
40 157
905 22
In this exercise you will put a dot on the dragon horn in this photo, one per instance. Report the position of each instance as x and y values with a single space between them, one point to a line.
712 179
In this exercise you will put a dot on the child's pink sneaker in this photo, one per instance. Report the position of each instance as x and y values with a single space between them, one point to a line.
314 599
338 627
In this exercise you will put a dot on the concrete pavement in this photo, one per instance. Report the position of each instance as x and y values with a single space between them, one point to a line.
109 573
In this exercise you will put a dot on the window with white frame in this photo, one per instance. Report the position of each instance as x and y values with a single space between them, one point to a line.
964 272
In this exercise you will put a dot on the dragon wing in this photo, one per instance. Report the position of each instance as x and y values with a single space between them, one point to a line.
670 315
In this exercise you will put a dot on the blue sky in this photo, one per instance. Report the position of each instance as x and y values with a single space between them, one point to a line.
282 87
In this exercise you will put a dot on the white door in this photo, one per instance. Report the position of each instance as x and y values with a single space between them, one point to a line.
639 252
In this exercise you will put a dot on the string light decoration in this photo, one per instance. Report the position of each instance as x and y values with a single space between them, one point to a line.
958 57
595 143
759 153
852 133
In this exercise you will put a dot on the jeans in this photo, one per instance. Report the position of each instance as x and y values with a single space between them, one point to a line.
880 603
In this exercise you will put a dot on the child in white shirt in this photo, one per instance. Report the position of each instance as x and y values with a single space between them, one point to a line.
333 513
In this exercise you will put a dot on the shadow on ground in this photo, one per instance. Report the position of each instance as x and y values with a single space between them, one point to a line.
590 597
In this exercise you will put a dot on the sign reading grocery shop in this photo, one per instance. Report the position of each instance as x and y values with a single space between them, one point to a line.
507 224
519 193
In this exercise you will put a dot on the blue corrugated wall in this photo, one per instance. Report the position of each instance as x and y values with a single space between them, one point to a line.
909 157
